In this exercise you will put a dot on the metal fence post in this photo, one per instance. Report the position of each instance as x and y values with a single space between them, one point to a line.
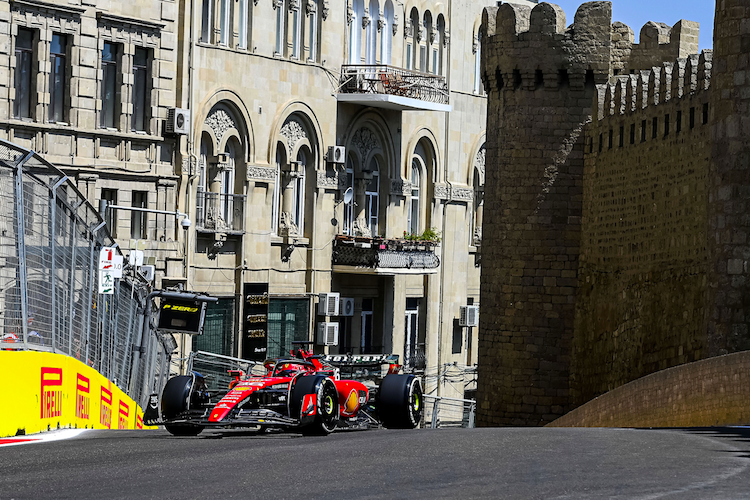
71 295
435 421
472 411
53 263
21 237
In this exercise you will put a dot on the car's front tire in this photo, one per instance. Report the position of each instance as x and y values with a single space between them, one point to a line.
176 399
327 402
400 402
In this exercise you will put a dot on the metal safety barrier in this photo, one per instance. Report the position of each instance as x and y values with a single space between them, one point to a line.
451 412
50 239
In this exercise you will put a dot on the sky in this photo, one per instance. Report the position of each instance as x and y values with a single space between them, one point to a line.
636 13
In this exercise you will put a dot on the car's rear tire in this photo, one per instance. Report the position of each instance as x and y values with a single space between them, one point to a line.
175 400
400 402
327 402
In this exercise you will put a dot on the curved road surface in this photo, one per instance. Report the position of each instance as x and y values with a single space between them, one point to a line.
522 463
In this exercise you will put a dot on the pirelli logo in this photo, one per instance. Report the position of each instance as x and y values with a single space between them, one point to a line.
175 307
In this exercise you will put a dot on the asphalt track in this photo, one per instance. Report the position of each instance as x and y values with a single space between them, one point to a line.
521 463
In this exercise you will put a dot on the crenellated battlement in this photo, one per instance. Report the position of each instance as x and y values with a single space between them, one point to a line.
626 94
532 48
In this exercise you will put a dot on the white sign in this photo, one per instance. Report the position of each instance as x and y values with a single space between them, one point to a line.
106 282
136 258
109 260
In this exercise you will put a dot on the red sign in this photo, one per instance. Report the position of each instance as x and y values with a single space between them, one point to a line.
83 400
124 414
51 398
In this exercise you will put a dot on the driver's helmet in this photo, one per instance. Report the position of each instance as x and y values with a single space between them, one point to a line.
290 369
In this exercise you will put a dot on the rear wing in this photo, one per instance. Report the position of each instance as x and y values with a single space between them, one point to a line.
363 367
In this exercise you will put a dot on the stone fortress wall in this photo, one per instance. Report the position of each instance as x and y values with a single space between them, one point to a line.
597 265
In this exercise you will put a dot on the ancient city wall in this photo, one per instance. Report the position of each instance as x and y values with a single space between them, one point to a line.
642 271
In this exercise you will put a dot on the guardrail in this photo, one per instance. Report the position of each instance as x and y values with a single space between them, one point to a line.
451 412
391 80
378 253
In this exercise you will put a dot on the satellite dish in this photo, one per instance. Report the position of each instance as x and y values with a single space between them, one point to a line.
348 195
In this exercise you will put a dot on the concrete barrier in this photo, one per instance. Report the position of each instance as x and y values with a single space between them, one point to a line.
41 391
710 392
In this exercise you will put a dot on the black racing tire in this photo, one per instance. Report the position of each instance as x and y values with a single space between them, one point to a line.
400 402
327 414
175 399
183 429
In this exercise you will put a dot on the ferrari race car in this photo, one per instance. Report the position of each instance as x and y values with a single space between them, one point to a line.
303 393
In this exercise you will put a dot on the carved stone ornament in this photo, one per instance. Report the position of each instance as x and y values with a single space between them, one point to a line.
442 192
365 141
395 23
219 121
400 188
366 21
349 15
477 236
293 5
278 4
408 29
420 33
433 33
462 194
474 45
480 159
256 173
311 7
326 9
362 228
293 132
381 24
287 227
446 38
330 180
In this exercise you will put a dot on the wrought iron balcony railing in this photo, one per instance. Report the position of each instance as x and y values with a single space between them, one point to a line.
415 358
220 213
379 254
390 80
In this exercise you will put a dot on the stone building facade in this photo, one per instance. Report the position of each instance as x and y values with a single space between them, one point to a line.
234 112
614 240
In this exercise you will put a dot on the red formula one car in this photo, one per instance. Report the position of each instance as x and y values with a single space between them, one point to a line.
302 393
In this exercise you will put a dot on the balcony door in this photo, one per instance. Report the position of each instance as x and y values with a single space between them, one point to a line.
411 334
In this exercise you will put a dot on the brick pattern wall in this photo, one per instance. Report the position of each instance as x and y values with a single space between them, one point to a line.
710 392
729 182
643 251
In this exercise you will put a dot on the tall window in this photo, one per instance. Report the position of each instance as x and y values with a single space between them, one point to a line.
371 37
312 35
414 206
23 73
244 21
140 89
367 327
412 46
110 88
349 207
138 219
412 349
355 32
227 185
279 28
224 25
476 236
299 190
206 17
110 216
296 33
276 207
372 200
429 60
58 50
385 35
440 43
477 63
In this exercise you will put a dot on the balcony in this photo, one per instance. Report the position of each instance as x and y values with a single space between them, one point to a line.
220 213
392 88
378 256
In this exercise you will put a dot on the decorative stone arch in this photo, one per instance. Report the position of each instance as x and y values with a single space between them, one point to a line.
381 141
476 160
429 137
305 116
241 126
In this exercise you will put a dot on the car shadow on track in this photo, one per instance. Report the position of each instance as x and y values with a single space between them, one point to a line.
739 435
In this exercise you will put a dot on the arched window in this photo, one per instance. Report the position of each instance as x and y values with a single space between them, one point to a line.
203 164
371 49
227 184
412 43
311 32
477 62
276 207
440 44
224 21
355 32
372 199
385 35
429 59
414 201
348 225
303 160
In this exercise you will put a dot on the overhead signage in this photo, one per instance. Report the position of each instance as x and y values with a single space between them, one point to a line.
182 316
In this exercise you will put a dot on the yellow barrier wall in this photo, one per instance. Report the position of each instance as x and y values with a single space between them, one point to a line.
41 391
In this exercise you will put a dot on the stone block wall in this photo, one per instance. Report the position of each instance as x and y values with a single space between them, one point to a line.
643 249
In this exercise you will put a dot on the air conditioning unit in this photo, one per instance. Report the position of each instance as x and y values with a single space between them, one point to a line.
148 272
469 316
328 304
328 333
347 306
336 154
178 121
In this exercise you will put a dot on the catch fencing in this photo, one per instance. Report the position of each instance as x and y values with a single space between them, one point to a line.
50 239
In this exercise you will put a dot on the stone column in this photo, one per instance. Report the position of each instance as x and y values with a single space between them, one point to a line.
728 297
